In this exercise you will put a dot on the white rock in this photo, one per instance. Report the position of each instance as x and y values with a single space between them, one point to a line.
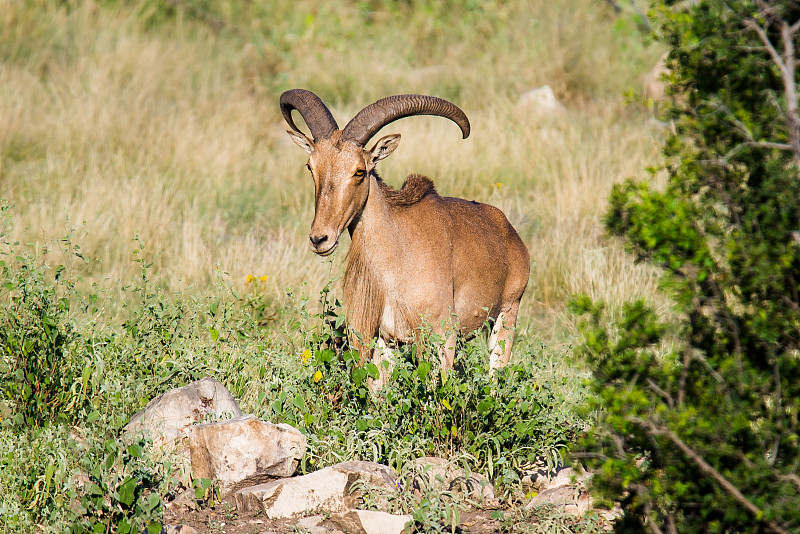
244 450
371 522
445 475
539 102
311 525
329 489
166 417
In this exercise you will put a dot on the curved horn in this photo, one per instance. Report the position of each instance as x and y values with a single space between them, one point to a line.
377 115
314 112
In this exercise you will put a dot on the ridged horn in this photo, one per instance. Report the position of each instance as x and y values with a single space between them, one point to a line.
317 116
377 115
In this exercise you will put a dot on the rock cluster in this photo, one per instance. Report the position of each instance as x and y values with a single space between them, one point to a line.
202 427
253 463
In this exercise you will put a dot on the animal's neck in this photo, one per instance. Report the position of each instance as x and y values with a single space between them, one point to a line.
368 275
375 230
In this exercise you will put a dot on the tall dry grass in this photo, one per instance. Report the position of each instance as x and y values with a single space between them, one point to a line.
141 120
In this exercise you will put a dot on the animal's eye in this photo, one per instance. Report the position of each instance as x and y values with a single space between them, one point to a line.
359 173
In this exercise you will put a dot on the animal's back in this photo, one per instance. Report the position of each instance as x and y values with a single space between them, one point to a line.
486 264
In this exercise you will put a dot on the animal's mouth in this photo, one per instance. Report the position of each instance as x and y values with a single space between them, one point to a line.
328 251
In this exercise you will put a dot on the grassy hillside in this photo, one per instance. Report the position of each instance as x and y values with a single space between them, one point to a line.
149 133
143 120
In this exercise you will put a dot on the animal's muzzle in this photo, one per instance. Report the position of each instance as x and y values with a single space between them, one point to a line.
322 244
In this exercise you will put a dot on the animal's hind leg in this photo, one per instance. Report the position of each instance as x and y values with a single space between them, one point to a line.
502 337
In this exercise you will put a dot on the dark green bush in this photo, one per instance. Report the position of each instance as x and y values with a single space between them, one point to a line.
698 427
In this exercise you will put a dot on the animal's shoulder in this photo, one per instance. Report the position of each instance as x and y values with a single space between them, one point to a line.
415 188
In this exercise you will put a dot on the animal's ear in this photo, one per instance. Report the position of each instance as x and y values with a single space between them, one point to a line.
301 140
384 147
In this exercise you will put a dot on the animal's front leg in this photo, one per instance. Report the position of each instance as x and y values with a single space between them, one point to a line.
447 352
380 354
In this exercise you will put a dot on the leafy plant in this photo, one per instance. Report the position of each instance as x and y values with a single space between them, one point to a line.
39 373
698 427
122 491
501 421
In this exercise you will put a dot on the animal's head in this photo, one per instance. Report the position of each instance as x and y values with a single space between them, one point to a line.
338 160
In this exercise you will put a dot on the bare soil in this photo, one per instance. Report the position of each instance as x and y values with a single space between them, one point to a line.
223 518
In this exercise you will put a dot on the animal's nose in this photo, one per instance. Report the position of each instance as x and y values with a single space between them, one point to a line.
317 240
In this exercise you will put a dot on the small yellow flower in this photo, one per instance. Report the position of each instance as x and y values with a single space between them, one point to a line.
263 278
306 356
250 278
317 376
498 185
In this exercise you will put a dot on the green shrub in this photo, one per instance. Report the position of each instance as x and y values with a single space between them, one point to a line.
123 492
35 477
40 374
698 427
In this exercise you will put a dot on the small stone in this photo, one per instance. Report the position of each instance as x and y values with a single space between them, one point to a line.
178 529
565 476
329 489
244 450
311 524
445 475
371 522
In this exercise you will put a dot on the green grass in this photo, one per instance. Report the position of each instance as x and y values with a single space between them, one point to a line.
148 132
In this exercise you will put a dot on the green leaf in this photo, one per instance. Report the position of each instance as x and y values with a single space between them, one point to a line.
423 369
359 375
300 403
48 474
372 370
127 491
152 501
135 450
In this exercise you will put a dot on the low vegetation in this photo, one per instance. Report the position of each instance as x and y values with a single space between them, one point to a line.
155 225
